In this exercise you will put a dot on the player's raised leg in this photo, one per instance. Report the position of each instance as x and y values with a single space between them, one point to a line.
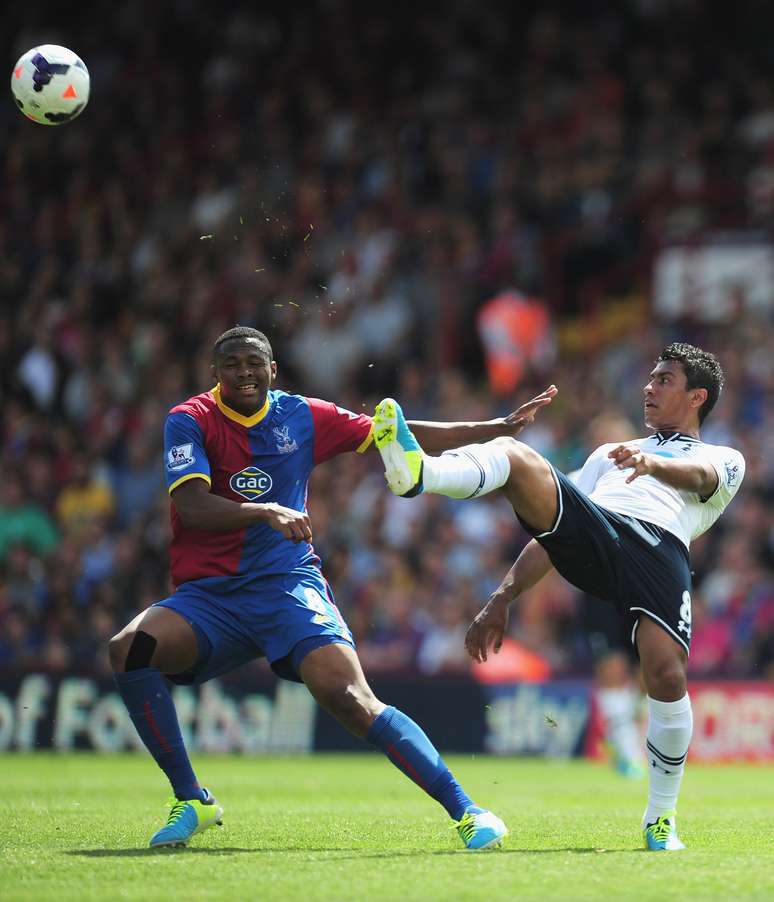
670 724
335 678
525 477
156 642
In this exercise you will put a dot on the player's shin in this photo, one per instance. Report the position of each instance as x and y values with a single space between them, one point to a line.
408 747
146 696
467 472
670 725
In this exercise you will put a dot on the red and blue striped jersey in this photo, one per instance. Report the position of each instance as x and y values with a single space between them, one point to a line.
267 457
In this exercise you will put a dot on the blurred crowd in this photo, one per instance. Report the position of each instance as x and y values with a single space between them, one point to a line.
358 186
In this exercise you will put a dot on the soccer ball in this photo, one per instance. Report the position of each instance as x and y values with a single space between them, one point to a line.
50 84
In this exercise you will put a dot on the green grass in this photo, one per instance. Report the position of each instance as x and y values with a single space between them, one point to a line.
352 828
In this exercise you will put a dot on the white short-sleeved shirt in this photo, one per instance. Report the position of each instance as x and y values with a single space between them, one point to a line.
683 513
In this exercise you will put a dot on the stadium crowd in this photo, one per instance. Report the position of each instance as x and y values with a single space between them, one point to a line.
359 194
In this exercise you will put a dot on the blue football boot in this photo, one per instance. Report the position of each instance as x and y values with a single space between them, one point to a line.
186 819
480 829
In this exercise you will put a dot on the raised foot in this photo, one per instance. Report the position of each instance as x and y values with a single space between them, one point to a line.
399 449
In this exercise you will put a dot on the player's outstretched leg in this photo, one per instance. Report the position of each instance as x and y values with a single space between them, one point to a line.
407 745
160 636
465 472
335 678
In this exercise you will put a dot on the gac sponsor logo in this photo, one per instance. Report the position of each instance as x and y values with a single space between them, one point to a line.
251 483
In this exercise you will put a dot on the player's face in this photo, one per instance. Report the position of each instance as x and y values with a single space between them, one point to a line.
669 403
245 372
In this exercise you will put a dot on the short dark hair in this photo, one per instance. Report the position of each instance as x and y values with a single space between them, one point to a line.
702 370
241 332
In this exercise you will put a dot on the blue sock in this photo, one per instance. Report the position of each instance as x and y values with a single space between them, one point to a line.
407 746
152 710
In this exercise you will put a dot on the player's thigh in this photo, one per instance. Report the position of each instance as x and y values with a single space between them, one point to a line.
175 649
295 615
531 487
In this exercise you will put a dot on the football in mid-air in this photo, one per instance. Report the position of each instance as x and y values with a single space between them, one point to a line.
50 84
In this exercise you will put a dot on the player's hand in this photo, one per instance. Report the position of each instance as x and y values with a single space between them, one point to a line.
524 415
488 628
629 456
293 525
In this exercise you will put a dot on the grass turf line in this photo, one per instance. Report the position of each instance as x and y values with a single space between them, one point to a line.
351 827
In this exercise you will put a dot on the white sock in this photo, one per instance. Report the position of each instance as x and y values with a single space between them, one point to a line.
619 710
467 472
670 725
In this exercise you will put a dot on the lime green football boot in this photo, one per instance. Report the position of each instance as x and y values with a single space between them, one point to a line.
661 835
400 451
186 819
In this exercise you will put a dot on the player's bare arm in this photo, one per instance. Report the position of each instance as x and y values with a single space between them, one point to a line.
437 437
490 624
687 475
200 509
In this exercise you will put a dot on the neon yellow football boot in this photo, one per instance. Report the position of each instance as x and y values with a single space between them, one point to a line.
661 835
400 451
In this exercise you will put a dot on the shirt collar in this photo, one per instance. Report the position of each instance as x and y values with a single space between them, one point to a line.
252 420
673 435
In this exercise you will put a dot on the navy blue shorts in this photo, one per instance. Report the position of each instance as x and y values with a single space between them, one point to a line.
238 619
640 567
607 630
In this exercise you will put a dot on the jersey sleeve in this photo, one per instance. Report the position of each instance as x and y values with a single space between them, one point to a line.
184 455
587 477
729 465
337 430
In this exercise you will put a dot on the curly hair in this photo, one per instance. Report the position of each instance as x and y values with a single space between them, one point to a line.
702 370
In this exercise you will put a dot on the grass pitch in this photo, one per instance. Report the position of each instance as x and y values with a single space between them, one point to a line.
353 828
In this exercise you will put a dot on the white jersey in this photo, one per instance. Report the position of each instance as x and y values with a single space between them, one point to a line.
684 514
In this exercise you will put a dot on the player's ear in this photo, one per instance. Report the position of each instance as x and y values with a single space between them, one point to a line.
698 396
213 372
273 370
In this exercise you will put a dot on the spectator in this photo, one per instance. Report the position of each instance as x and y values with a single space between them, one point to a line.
367 221
137 481
23 523
84 499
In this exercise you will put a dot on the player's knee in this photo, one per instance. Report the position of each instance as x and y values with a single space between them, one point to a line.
131 650
353 705
519 457
666 681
